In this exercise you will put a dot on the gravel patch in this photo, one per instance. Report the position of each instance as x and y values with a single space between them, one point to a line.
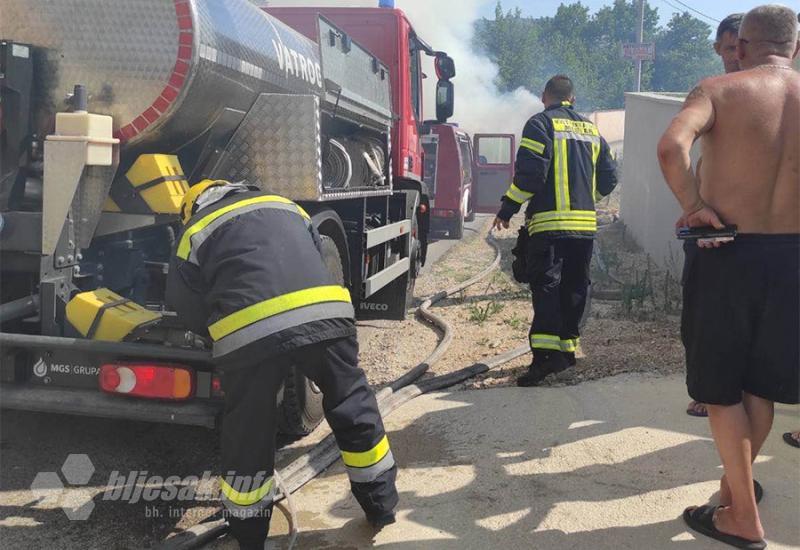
621 336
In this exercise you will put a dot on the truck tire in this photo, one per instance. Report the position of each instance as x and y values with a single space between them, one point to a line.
415 263
300 400
456 228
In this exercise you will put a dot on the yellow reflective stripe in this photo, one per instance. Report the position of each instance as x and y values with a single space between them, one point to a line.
595 156
275 306
366 459
590 227
185 246
558 173
245 499
546 341
569 345
536 146
518 195
565 179
578 215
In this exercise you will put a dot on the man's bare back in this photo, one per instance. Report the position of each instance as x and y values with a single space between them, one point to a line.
751 153
749 124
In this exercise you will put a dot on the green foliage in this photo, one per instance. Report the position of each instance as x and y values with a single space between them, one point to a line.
683 55
480 314
587 47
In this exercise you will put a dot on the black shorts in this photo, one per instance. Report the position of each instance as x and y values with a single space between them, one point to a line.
741 320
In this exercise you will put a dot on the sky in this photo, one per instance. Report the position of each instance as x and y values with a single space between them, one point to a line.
715 9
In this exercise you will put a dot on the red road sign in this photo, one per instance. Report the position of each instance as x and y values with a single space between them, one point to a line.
639 52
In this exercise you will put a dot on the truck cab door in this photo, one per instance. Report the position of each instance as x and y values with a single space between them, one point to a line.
493 170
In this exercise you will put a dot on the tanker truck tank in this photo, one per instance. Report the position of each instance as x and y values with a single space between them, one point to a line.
165 70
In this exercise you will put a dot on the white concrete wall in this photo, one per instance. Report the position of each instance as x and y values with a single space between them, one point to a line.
648 207
610 123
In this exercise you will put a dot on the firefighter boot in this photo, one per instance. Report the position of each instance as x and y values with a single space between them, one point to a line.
544 364
379 521
570 357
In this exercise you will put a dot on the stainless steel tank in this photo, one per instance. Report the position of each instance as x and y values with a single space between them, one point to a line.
164 69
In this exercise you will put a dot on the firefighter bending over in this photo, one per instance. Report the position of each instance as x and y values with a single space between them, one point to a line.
563 166
248 273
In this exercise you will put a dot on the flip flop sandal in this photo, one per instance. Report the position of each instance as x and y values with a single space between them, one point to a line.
691 412
701 519
787 437
758 490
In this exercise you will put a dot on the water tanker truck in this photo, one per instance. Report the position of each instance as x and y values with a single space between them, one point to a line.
110 110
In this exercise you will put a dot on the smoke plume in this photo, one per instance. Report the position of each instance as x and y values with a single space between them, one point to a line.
448 25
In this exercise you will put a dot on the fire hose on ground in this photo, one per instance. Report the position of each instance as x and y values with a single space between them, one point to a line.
390 398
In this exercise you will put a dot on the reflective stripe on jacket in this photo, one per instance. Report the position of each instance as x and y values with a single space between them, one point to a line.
254 263
563 166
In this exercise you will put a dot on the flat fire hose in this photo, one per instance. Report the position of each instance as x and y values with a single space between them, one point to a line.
405 388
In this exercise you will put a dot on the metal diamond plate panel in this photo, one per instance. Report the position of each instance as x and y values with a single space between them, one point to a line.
277 147
123 52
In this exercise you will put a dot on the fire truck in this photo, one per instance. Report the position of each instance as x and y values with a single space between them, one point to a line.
110 110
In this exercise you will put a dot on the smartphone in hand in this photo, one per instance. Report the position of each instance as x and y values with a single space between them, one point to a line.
726 234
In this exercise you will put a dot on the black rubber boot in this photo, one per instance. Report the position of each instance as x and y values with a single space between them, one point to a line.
381 520
543 366
570 357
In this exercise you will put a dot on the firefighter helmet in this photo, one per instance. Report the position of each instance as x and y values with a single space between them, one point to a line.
191 196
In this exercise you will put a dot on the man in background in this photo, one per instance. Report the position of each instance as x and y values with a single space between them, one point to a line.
740 319
563 166
725 46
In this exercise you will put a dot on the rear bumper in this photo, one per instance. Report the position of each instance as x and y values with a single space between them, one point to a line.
18 352
85 402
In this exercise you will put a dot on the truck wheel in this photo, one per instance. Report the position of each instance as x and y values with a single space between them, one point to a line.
456 230
415 264
299 405
300 402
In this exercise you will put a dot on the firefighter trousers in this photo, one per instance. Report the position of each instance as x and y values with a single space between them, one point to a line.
249 427
558 270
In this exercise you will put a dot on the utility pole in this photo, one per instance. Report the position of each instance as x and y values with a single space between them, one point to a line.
639 39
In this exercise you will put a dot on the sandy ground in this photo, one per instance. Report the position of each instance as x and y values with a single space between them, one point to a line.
606 464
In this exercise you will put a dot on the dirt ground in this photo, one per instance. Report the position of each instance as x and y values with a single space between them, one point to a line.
631 327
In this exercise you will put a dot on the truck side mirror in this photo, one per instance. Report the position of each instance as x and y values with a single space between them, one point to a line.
445 66
445 100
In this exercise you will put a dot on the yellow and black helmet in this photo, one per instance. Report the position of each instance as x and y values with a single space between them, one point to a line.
191 196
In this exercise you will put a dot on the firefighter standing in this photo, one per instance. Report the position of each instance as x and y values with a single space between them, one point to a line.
248 273
563 166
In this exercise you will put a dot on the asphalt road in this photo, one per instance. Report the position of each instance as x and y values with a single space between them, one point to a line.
441 244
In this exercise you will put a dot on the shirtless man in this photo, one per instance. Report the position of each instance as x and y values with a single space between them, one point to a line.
725 46
741 320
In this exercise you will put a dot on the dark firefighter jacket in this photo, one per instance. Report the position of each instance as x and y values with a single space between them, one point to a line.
248 269
563 166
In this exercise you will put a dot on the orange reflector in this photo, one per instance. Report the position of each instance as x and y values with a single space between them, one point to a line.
182 386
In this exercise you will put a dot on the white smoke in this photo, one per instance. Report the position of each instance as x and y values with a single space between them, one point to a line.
448 25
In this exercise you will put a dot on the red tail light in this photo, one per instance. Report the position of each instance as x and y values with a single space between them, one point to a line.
173 382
